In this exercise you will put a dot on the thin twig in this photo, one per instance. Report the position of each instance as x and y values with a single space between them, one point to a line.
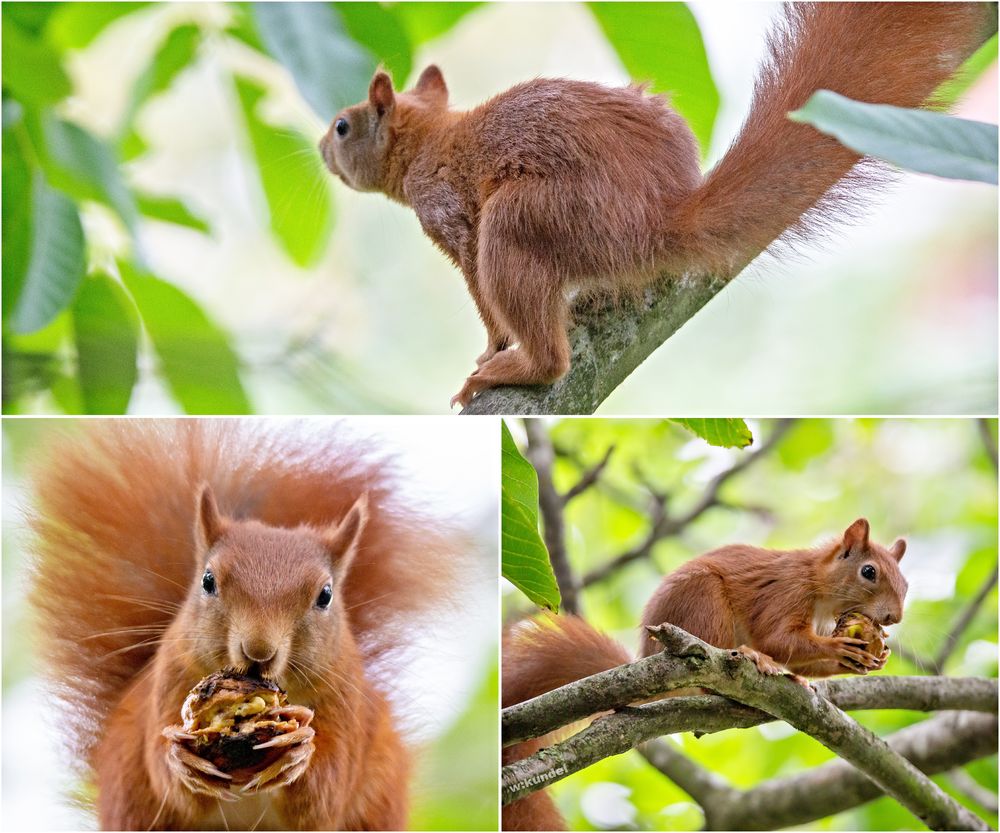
964 620
670 526
590 477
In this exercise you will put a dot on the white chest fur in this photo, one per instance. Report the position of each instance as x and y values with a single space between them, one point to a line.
824 620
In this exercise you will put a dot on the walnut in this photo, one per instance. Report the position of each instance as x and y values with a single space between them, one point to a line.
858 626
230 713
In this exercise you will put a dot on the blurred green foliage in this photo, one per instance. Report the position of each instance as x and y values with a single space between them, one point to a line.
78 334
930 481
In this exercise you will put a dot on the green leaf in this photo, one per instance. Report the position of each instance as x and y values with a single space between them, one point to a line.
917 140
296 185
82 165
31 69
310 39
380 30
525 560
56 260
16 211
971 71
198 363
170 210
724 433
661 43
31 17
75 25
107 344
173 56
427 21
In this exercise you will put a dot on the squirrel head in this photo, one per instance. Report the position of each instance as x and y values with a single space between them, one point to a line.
268 599
357 144
863 576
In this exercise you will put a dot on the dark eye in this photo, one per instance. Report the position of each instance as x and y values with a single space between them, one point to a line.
868 572
341 126
325 597
208 582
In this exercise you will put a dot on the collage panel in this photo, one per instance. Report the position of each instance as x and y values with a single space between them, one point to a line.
834 579
255 255
500 208
250 624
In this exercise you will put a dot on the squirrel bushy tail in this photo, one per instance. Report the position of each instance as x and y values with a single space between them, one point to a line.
114 552
785 180
540 655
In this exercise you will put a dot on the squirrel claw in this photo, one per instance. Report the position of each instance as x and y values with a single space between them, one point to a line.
764 663
464 396
286 769
197 774
288 739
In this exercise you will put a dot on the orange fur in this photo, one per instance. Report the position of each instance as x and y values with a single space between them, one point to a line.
539 656
120 545
768 603
556 184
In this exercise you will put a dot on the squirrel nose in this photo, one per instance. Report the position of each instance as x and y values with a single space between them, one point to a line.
890 619
257 650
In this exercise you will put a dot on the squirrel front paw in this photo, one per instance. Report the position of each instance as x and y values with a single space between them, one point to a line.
766 665
295 760
852 655
195 773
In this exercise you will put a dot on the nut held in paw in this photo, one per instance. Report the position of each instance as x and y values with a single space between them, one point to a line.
228 714
859 626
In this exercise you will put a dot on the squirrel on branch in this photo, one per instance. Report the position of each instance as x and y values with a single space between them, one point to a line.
559 186
165 550
778 608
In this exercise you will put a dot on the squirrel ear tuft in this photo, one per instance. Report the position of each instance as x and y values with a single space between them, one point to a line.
856 535
898 549
380 94
431 86
341 539
211 524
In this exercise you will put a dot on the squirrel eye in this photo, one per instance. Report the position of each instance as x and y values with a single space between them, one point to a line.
868 572
208 582
325 597
341 126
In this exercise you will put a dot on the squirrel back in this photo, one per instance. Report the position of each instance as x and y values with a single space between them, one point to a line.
115 555
785 180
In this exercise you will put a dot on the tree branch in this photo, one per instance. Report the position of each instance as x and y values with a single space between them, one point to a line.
972 789
551 505
687 661
964 620
986 433
712 713
607 345
935 745
666 526
589 477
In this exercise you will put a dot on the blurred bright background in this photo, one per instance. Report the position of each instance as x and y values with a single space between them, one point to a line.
451 471
305 297
930 481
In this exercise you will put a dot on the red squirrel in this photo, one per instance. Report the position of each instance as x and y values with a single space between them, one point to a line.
778 608
164 552
558 185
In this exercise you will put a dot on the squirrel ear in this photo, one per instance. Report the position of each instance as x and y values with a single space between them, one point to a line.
380 94
856 536
898 549
431 86
211 524
341 539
